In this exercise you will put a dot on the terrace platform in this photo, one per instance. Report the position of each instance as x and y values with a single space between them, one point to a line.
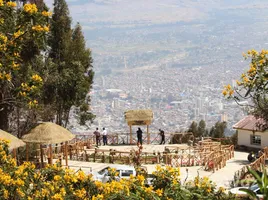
222 177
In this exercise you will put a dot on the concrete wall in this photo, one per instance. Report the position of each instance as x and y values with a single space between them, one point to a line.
244 138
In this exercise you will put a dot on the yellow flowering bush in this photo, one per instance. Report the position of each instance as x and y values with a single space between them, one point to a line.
25 182
252 85
30 8
17 25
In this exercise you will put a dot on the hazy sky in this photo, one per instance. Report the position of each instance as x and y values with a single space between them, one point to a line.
145 12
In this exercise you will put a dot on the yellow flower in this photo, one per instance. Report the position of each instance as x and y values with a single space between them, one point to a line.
62 191
46 14
174 182
44 192
37 78
20 193
159 192
1 3
18 34
224 92
238 82
98 197
37 28
57 197
16 54
33 87
30 8
11 4
98 184
8 77
3 38
228 87
19 182
158 167
149 189
46 28
262 61
80 193
81 175
15 66
57 178
140 178
221 189
245 79
5 194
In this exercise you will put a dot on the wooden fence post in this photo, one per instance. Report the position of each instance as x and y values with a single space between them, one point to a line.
103 157
94 157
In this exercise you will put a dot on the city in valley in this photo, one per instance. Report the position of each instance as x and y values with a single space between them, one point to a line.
176 66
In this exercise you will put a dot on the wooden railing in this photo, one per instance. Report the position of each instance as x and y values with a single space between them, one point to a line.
124 138
211 155
257 165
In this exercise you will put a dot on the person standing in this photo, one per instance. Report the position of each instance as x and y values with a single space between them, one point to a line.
139 136
97 134
162 134
104 136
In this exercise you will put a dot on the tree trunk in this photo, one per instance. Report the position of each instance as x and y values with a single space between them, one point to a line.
59 115
4 123
67 118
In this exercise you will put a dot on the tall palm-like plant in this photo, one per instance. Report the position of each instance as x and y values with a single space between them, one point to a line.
262 181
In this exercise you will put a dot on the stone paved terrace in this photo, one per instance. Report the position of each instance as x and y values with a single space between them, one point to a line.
221 177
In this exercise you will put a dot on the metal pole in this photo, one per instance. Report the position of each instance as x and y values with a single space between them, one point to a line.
130 134
41 154
148 135
50 154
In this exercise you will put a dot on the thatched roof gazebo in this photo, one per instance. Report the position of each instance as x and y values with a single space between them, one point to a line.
14 141
139 117
48 133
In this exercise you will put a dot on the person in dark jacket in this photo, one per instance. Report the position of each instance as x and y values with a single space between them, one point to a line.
162 134
139 136
97 134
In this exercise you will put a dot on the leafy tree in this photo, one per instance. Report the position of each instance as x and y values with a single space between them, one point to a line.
212 131
219 128
201 128
234 138
72 69
253 86
18 88
193 128
207 133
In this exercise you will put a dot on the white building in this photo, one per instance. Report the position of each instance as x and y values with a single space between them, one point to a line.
252 132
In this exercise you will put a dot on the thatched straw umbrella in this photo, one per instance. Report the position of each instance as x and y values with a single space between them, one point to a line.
14 141
139 117
48 133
